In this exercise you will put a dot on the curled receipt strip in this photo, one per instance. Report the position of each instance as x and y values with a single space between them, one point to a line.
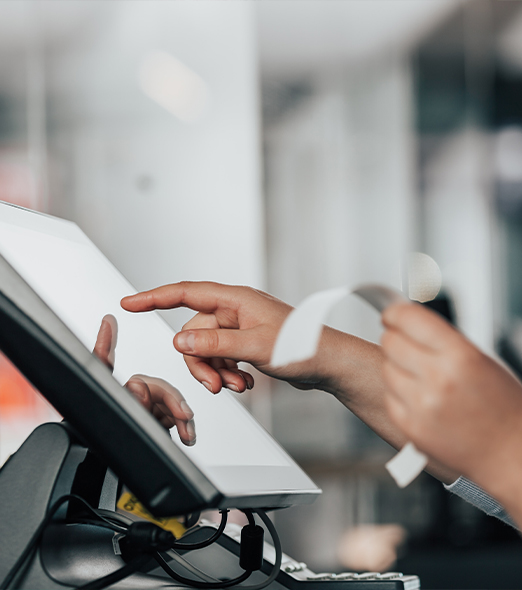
299 337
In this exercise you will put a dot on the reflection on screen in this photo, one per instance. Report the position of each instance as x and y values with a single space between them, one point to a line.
80 285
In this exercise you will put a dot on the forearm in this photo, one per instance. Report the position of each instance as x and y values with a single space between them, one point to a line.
351 370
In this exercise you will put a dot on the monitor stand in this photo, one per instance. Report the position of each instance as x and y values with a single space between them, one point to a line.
52 463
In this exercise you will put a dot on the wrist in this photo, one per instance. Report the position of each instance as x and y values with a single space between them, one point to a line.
347 366
328 365
499 472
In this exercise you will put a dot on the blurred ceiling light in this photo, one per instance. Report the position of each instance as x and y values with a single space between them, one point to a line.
508 154
174 86
424 277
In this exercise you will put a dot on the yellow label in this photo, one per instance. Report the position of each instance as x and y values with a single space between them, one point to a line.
132 505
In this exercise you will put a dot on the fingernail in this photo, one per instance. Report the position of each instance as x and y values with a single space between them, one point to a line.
208 386
187 410
191 432
233 387
249 385
186 341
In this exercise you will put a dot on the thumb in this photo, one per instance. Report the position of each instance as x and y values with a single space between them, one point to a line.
237 345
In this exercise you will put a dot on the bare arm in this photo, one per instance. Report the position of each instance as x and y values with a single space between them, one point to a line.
235 324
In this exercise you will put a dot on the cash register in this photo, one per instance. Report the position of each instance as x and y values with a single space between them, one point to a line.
59 527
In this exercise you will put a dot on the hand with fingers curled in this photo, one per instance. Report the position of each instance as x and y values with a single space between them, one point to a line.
426 383
456 403
158 396
233 324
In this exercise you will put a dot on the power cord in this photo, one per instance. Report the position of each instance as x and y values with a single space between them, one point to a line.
255 558
212 539
31 545
126 522
190 567
277 548
143 541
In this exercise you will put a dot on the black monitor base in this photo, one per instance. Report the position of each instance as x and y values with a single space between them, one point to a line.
50 464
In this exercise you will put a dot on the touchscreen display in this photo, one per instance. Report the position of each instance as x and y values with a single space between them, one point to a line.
81 286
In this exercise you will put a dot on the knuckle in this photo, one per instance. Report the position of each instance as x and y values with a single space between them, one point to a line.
431 401
459 363
184 287
207 342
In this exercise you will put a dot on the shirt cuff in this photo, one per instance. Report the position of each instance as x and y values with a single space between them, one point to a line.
475 495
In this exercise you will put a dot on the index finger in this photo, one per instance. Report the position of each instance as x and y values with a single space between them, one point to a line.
198 296
420 324
105 347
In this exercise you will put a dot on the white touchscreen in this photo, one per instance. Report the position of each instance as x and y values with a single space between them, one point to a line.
80 285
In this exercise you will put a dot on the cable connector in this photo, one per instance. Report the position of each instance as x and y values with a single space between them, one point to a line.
145 537
251 548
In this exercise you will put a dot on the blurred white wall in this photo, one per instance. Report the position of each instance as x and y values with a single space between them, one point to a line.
166 199
310 36
340 187
460 230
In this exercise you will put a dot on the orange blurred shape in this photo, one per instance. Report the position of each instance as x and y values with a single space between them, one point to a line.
18 398
17 183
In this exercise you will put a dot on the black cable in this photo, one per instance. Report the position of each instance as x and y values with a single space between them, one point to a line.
228 583
123 572
116 517
100 514
190 567
250 517
31 545
115 528
212 539
196 583
142 559
278 553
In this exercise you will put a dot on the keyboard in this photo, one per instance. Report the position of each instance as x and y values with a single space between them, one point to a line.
296 575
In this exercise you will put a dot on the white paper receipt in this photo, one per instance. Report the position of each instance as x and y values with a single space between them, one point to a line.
299 337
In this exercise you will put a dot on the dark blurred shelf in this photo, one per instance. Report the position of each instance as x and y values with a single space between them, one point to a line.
497 566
